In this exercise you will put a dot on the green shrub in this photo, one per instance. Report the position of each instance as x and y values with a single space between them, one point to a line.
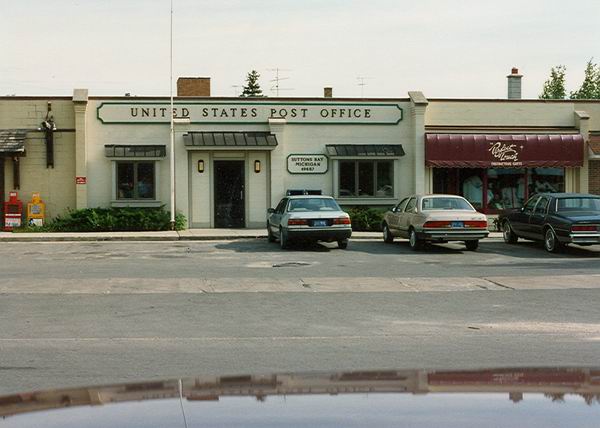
365 219
111 220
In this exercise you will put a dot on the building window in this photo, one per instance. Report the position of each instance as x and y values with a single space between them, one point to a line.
366 179
136 180
494 189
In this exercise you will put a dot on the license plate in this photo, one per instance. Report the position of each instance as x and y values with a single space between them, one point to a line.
319 223
457 224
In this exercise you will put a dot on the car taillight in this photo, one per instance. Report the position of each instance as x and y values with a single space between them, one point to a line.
341 220
481 224
584 228
437 224
297 222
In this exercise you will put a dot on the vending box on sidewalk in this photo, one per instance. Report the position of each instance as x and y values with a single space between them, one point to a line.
13 212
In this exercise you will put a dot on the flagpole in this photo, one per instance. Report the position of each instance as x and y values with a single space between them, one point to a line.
172 145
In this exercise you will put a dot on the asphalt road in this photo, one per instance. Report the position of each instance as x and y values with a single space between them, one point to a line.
87 313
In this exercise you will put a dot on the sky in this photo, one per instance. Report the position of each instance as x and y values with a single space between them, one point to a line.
444 48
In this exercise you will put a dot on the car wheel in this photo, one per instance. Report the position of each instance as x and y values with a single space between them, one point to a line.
507 233
388 238
551 242
283 239
270 236
343 243
472 245
413 241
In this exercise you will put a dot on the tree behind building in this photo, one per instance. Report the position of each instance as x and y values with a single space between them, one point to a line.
252 87
590 88
554 87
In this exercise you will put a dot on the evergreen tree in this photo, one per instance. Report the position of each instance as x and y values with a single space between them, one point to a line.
590 88
252 87
554 87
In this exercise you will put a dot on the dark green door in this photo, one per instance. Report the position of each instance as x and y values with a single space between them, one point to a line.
230 208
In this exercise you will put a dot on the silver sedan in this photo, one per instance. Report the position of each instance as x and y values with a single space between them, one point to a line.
308 218
435 218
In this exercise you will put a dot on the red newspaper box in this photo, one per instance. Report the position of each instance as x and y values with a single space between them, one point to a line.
13 212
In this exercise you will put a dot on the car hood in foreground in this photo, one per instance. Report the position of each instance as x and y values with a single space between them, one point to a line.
531 397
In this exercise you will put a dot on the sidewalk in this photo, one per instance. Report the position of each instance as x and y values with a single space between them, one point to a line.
184 235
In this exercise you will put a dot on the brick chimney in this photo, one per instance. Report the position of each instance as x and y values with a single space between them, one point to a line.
328 92
514 84
193 87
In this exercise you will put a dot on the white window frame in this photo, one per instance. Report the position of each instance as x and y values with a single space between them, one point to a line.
156 202
365 200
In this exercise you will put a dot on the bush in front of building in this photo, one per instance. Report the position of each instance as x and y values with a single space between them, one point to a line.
365 219
112 220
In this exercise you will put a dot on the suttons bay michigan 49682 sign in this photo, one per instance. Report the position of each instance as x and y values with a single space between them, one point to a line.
307 164
248 112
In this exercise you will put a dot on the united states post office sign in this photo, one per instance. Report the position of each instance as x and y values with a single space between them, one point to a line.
216 112
307 164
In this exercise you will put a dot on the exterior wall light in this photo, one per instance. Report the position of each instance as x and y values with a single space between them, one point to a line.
201 166
257 166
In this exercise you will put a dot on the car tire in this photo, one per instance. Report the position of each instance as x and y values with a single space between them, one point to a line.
414 243
343 244
388 238
551 242
472 245
270 236
510 237
283 239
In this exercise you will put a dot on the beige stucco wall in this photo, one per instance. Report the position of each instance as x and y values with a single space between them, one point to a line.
500 113
194 195
511 115
56 185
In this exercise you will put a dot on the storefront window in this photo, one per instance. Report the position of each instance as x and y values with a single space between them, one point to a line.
546 180
505 188
135 180
366 179
496 189
471 186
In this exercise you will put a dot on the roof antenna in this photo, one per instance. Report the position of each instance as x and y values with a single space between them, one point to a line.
276 88
362 84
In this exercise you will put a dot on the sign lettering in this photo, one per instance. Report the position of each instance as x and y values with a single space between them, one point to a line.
247 112
307 164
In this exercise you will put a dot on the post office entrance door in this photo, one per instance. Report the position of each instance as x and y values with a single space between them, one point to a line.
229 190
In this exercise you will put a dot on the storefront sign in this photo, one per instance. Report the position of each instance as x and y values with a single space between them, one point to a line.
504 154
503 150
252 112
80 180
307 164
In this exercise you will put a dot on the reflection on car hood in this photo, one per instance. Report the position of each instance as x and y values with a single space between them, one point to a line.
521 396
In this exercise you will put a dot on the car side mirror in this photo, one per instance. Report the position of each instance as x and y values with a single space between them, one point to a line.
394 209
522 209
270 210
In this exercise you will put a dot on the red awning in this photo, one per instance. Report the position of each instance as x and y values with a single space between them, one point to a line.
503 151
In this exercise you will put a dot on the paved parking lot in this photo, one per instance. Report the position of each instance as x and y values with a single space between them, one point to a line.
100 312
37 264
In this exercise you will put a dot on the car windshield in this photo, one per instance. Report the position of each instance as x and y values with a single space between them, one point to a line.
578 204
313 204
446 204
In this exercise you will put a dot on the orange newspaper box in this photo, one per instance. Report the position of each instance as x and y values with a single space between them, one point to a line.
13 212
36 211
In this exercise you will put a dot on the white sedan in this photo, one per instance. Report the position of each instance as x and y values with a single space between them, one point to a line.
308 218
435 218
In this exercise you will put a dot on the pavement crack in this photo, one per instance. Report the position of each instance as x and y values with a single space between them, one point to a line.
498 284
304 284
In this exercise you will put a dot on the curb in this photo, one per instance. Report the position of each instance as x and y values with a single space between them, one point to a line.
146 238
